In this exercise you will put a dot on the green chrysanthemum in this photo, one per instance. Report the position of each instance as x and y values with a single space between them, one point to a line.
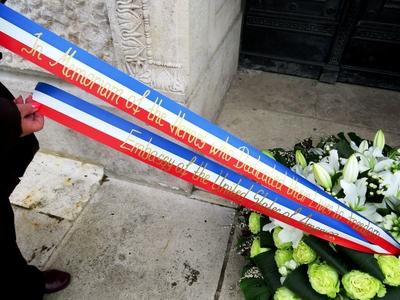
304 254
390 266
324 279
362 286
254 222
282 256
284 293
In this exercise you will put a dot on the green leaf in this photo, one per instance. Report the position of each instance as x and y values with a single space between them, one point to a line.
364 261
335 178
266 240
297 282
325 251
266 263
355 138
343 146
264 221
384 211
392 154
284 157
304 145
255 289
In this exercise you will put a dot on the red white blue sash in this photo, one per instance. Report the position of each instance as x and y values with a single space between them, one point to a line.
78 67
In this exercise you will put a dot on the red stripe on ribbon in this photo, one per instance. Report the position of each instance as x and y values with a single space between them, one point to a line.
210 186
124 105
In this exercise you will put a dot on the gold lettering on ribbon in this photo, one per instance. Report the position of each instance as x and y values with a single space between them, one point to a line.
222 151
84 77
36 48
200 174
181 168
156 114
133 104
113 93
129 142
183 132
147 153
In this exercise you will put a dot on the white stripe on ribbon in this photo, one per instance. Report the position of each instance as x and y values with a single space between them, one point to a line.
146 104
126 137
55 54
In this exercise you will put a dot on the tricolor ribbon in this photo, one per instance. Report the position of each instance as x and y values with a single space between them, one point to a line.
69 62
172 158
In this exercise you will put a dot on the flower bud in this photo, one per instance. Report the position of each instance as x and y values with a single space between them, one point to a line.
379 140
300 159
322 176
350 170
363 146
268 153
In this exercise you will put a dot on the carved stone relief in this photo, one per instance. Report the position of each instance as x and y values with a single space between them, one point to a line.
132 34
84 23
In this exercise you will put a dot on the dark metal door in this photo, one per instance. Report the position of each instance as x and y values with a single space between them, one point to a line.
356 41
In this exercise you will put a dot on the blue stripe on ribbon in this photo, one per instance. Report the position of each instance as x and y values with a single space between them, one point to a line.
140 88
86 58
188 155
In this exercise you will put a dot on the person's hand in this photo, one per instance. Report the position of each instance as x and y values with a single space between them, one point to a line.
31 120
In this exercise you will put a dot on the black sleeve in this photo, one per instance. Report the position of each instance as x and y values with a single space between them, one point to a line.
15 152
10 123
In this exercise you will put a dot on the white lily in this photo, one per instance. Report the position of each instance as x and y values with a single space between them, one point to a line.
368 160
300 159
379 140
350 170
368 156
306 172
331 163
317 151
392 182
361 148
322 177
370 213
287 234
383 165
355 193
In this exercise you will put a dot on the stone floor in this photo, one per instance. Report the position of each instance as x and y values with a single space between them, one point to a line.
125 240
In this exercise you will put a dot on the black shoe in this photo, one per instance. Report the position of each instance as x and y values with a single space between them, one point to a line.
55 281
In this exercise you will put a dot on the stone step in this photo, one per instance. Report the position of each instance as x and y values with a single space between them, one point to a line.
57 186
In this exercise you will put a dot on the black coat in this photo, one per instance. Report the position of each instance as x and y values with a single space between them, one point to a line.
15 153
22 280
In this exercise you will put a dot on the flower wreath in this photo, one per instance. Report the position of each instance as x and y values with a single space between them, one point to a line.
286 264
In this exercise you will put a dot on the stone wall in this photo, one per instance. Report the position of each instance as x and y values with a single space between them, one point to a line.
187 49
